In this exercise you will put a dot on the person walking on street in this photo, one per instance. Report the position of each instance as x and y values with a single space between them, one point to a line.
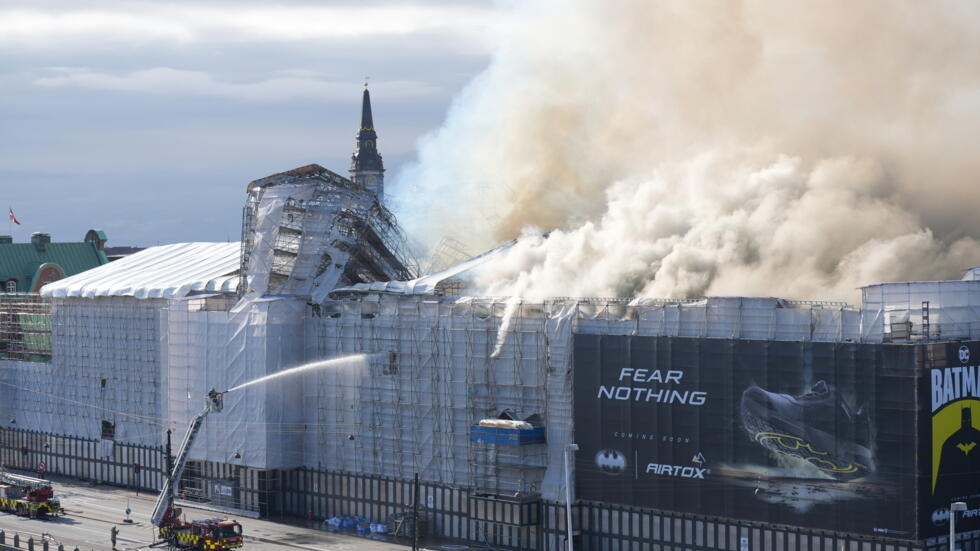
112 536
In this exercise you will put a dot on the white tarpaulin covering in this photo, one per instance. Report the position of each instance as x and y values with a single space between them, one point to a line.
140 352
453 362
897 311
426 285
458 360
304 237
442 364
764 318
167 271
105 368
221 349
289 242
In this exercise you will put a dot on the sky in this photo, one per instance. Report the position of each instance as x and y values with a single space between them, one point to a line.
148 119
675 148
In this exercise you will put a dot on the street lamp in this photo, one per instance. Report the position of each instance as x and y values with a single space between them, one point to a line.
955 507
568 492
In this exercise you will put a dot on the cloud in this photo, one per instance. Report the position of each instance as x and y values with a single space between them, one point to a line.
142 22
288 85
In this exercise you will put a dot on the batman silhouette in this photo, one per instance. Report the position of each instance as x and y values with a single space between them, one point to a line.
610 461
959 464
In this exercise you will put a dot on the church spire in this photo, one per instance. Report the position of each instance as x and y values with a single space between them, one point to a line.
366 167
367 121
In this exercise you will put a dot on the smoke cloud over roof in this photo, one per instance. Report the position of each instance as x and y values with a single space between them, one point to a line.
689 148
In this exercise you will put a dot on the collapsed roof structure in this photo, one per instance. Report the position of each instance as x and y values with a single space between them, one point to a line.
307 230
323 272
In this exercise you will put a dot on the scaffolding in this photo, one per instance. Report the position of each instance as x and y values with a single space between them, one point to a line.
25 327
459 360
308 230
101 380
114 365
430 367
437 366
212 341
921 311
454 363
447 253
762 318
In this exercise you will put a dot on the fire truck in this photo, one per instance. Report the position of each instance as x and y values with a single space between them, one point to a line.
27 496
212 534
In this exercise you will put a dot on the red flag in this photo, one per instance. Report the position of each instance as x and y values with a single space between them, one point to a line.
14 218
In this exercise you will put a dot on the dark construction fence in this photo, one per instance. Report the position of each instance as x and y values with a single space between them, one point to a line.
135 466
113 463
605 527
540 525
449 512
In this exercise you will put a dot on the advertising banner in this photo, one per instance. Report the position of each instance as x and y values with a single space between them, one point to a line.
951 395
819 435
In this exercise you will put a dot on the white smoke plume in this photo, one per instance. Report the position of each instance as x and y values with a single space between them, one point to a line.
681 148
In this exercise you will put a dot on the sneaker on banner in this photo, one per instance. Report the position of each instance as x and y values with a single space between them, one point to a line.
818 426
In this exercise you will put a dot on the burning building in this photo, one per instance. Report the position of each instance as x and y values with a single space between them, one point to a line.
713 423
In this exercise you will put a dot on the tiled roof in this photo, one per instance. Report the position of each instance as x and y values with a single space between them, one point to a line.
20 261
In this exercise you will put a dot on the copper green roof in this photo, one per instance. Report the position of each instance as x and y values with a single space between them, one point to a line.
24 262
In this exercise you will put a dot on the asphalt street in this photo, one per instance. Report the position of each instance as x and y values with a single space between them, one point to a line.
91 511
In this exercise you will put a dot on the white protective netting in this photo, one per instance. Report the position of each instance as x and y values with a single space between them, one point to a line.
412 412
105 368
439 365
762 318
436 365
208 347
459 360
921 310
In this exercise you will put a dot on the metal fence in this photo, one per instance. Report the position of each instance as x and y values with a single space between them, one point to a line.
616 528
447 512
459 513
540 525
108 462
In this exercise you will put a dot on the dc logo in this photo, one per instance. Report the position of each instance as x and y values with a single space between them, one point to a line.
610 461
940 516
964 354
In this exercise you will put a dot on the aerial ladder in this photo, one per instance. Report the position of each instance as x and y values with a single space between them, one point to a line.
216 534
27 496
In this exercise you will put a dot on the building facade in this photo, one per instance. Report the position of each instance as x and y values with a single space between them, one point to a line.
26 267
735 423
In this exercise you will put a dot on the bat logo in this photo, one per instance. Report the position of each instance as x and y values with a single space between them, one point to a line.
966 448
611 462
940 516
